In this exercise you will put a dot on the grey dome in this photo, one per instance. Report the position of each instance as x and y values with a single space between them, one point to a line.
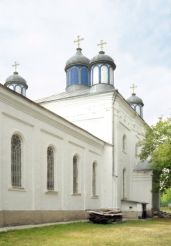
102 58
135 100
77 59
15 78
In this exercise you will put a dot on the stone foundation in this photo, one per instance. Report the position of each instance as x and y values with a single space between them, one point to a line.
10 218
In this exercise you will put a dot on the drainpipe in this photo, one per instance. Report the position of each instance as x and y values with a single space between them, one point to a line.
113 146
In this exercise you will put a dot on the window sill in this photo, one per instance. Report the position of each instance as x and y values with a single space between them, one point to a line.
21 189
76 194
95 197
51 192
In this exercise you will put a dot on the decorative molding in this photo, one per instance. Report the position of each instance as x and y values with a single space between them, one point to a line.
16 119
50 133
75 144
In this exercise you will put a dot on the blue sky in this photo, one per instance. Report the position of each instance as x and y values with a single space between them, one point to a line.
39 35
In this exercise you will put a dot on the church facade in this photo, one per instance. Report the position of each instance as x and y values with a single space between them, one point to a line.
72 152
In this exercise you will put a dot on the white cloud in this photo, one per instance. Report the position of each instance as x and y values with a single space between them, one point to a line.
39 35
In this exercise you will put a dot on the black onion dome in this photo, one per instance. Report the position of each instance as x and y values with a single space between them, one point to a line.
102 58
15 78
135 100
77 59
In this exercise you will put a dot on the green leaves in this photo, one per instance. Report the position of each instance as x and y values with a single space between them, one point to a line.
157 147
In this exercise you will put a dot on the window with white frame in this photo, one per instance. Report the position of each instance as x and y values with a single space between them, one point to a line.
16 161
95 75
104 74
50 168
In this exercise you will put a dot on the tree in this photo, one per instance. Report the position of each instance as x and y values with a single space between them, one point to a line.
156 146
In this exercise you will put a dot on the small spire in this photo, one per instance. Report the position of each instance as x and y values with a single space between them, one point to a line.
15 66
101 44
78 40
133 87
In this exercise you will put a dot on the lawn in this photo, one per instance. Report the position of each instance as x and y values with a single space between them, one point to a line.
130 233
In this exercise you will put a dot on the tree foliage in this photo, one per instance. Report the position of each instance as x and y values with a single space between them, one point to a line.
156 146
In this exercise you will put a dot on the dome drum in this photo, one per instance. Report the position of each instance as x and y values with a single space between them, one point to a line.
136 103
16 83
102 74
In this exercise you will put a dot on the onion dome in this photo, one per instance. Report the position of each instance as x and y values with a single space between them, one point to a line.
77 70
16 82
77 59
102 69
136 102
102 58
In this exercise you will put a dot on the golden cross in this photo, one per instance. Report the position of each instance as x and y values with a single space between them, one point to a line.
78 40
15 66
101 44
133 88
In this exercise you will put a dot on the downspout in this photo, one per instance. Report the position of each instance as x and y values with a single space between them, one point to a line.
113 134
113 146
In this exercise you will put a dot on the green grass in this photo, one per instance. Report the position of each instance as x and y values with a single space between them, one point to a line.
144 233
166 209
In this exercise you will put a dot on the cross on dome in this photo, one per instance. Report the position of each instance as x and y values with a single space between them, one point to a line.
133 87
101 44
78 40
15 66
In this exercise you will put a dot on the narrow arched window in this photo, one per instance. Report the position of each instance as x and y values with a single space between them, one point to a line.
94 179
75 174
95 75
104 74
84 75
74 78
124 183
18 88
50 168
111 76
16 161
124 143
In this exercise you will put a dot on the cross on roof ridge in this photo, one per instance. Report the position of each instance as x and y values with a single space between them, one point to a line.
15 66
78 40
133 87
101 44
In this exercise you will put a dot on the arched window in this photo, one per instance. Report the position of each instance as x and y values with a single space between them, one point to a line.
24 91
74 79
16 161
94 174
11 87
136 150
67 75
104 74
111 76
124 143
84 75
95 75
50 168
124 184
75 174
18 88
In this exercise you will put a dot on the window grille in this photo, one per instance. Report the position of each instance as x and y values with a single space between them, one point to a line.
16 161
50 168
75 175
94 178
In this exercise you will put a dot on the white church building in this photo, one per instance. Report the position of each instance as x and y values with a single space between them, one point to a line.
74 151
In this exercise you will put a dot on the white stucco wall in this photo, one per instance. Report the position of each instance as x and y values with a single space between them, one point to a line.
38 129
109 117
